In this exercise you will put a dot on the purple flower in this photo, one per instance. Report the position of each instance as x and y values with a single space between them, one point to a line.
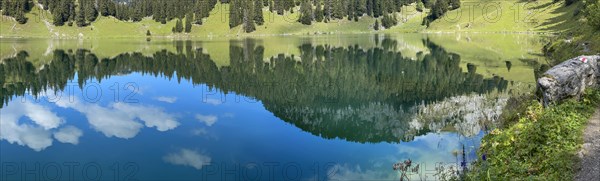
484 157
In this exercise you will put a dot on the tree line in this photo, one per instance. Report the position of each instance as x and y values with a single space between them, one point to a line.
248 13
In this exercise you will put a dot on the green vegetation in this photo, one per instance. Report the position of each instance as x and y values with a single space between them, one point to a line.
388 21
232 18
577 41
541 16
538 145
111 19
592 14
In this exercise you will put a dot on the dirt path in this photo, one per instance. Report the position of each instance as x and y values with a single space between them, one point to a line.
590 153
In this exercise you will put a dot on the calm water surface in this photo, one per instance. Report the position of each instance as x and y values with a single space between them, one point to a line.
321 108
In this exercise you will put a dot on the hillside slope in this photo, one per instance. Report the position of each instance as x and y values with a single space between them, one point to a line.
473 16
217 25
507 17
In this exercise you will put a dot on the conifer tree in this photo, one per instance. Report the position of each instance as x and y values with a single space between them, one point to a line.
248 23
188 22
439 9
80 18
258 14
90 10
337 11
327 10
20 17
306 14
236 13
199 12
369 7
350 9
178 26
319 12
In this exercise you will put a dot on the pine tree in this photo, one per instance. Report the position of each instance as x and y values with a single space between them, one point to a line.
178 26
106 7
90 10
258 14
20 17
306 14
148 33
236 14
80 18
439 9
70 11
188 22
454 4
247 17
57 18
369 7
359 8
377 9
319 12
327 10
338 9
389 20
350 9
199 12
376 26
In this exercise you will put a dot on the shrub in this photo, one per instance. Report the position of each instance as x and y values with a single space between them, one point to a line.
592 13
540 146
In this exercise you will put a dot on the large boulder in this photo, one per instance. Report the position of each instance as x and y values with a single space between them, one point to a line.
569 79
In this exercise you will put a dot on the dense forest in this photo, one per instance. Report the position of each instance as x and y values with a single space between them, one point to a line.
247 13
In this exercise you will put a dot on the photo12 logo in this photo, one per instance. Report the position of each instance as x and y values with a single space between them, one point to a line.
268 171
68 171
91 92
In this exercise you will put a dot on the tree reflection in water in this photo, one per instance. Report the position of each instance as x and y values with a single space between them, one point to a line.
360 95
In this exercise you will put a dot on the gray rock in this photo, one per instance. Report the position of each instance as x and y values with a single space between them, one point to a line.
569 79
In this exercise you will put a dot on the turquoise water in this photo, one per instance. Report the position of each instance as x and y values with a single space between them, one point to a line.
318 112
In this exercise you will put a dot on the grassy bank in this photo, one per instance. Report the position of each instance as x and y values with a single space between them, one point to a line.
582 40
535 143
506 17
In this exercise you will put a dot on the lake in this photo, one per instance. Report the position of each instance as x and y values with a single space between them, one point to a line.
336 107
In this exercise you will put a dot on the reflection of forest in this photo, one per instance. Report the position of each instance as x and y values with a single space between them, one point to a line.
334 92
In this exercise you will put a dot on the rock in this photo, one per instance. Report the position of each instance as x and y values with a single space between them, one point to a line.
569 78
